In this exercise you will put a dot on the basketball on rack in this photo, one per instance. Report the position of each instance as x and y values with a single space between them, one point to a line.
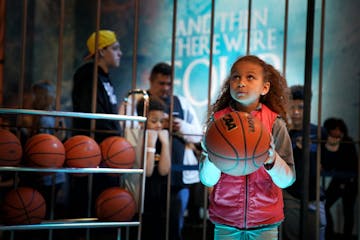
44 150
82 152
117 152
10 149
115 204
23 205
237 143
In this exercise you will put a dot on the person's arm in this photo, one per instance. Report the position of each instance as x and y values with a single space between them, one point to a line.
209 173
8 182
280 164
165 159
82 90
190 127
129 108
152 136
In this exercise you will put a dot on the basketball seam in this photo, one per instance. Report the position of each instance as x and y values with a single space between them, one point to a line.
232 158
47 137
84 157
245 142
117 153
10 142
256 146
107 157
121 195
23 204
229 143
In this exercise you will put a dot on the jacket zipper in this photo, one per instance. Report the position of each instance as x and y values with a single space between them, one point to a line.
246 201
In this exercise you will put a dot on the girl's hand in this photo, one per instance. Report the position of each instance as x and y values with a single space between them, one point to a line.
152 137
269 162
163 136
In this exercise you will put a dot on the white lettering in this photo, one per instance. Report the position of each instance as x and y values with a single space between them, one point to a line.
259 18
235 43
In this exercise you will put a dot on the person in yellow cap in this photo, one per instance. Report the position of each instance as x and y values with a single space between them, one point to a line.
108 57
107 53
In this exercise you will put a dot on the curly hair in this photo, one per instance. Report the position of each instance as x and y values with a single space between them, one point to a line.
276 99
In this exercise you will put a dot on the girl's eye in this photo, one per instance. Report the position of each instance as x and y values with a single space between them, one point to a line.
235 77
250 77
153 120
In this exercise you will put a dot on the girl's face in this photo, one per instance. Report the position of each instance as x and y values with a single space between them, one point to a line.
247 84
155 120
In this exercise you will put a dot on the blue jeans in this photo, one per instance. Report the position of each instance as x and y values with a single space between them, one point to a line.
178 205
223 232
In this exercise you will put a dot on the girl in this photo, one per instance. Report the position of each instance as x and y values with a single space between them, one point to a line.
158 163
251 206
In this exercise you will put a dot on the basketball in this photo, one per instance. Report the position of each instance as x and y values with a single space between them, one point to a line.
117 152
23 205
82 152
44 150
10 149
115 204
237 143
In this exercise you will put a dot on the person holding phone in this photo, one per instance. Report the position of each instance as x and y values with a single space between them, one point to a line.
186 130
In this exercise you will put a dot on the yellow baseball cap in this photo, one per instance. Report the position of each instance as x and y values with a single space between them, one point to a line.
105 38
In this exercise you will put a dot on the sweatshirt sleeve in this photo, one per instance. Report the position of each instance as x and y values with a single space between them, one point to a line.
283 170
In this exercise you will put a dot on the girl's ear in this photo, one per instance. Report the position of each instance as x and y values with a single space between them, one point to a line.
266 88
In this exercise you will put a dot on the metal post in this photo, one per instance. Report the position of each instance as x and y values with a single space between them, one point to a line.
306 119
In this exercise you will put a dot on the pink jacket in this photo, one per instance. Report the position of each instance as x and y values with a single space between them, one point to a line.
247 201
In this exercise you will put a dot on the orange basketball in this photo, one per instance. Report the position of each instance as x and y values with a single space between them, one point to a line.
23 205
237 143
82 152
117 152
10 149
44 150
115 204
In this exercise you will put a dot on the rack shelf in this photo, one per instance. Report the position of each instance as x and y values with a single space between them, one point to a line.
86 223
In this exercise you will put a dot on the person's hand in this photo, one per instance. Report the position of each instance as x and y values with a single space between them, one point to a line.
298 142
152 137
270 161
209 174
166 121
163 136
176 124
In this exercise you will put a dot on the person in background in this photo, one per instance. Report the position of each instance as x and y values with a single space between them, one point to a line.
293 194
340 160
44 95
108 54
186 131
251 206
158 164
